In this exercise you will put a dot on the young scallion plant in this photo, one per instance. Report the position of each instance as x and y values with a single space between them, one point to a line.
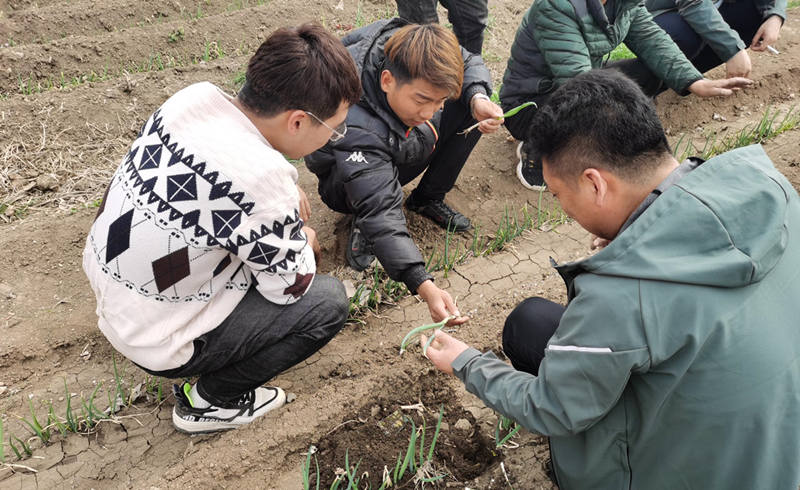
509 113
410 335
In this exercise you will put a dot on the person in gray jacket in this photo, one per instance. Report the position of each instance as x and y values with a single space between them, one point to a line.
711 33
677 359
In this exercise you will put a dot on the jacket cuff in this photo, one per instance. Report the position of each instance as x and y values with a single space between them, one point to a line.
415 276
685 90
475 88
460 362
727 52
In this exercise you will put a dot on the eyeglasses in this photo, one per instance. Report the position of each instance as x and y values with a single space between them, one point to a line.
338 132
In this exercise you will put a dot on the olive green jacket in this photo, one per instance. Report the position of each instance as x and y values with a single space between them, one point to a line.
704 18
677 362
559 39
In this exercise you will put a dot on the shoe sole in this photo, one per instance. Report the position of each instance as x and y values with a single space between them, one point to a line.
186 427
525 182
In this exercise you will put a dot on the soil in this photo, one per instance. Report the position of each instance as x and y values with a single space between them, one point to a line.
118 60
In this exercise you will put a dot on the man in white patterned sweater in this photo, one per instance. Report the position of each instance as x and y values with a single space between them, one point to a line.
200 257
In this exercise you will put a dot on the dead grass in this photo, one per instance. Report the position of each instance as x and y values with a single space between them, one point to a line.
45 170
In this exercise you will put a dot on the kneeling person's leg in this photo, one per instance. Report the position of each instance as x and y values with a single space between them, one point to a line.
443 168
527 330
255 343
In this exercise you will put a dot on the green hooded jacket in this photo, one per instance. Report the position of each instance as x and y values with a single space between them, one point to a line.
676 364
560 39
704 18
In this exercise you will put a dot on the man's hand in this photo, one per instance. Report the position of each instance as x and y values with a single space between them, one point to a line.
440 304
598 243
767 34
488 113
739 65
443 350
312 240
712 88
305 206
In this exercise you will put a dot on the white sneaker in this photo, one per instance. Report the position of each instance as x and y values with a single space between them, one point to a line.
230 415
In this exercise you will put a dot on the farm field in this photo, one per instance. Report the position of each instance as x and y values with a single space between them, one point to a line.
78 78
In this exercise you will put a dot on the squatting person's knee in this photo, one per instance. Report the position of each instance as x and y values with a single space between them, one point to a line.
333 300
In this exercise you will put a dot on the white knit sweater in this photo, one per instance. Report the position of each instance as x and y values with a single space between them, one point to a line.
200 206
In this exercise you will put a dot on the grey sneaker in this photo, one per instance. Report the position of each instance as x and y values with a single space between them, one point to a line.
230 415
359 251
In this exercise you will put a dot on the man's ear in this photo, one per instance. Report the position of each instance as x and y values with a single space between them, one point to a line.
294 120
598 183
387 80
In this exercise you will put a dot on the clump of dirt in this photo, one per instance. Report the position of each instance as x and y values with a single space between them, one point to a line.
382 427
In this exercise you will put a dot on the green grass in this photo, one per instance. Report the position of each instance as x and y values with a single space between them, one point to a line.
212 50
85 418
505 429
416 462
793 4
621 52
378 289
768 127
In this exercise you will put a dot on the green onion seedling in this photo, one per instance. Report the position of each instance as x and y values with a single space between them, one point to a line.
421 329
509 113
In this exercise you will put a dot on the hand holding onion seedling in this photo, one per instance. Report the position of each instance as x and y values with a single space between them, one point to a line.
489 114
440 303
442 350
496 119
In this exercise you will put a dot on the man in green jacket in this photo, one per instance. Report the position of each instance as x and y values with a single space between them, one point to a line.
559 39
676 363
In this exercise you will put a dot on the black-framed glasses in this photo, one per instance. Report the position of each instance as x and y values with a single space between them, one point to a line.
337 133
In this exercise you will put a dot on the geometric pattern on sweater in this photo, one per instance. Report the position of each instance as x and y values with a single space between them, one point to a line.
159 184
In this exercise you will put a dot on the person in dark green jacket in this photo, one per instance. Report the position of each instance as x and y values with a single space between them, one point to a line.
676 363
559 39
711 32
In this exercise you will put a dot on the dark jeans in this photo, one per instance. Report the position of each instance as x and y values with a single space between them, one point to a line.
448 158
742 16
469 18
527 330
261 339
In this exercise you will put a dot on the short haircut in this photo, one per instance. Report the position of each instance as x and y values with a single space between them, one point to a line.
300 68
428 52
599 119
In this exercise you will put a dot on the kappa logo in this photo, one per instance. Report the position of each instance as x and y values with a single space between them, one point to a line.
357 157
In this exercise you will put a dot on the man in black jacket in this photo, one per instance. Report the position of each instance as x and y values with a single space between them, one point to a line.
420 89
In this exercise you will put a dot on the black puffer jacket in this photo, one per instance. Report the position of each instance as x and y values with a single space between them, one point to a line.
358 174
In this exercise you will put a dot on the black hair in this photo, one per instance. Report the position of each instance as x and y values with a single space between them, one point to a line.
600 118
304 68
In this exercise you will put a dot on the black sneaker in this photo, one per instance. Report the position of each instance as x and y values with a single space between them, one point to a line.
231 415
529 172
359 251
441 214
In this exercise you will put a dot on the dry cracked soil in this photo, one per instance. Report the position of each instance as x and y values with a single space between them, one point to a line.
78 78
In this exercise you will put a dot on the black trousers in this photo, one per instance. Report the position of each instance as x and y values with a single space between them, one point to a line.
469 18
527 330
448 158
261 339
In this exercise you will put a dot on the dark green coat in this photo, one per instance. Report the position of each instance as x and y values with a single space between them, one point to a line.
559 39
